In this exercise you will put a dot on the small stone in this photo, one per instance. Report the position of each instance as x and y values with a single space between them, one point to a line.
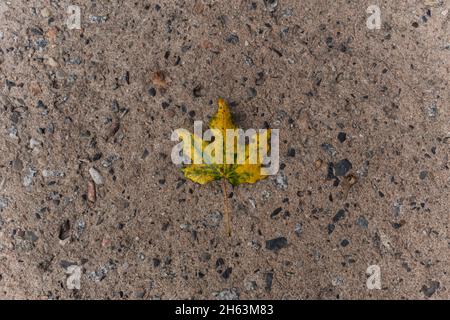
34 143
275 213
91 193
298 229
423 175
429 291
205 256
251 92
45 12
276 244
17 165
271 5
397 207
65 264
96 176
362 222
330 228
64 230
345 243
74 280
251 285
100 274
252 202
432 111
342 167
329 42
156 262
227 294
198 91
248 61
80 227
52 173
339 216
269 281
226 274
260 78
281 181
30 236
337 281
28 179
342 136
265 195
328 148
98 19
215 218
51 62
152 92
232 38
3 203
291 152
41 43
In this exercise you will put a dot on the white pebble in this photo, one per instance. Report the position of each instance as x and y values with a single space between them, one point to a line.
96 176
74 279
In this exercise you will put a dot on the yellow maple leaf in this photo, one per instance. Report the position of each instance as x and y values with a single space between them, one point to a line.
247 171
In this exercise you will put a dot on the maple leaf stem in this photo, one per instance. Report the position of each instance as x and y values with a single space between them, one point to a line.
226 209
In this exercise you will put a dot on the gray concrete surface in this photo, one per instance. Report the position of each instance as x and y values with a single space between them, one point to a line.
109 95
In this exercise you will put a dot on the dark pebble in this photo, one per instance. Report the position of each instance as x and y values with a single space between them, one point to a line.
362 222
423 175
152 92
97 156
429 291
342 136
219 263
10 84
342 167
232 38
330 171
276 244
64 230
198 91
260 78
164 105
330 228
156 262
339 216
65 264
226 274
251 92
345 243
298 229
291 152
37 31
269 281
145 154
329 42
328 148
275 213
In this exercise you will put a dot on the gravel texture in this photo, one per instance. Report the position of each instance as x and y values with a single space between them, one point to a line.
91 205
